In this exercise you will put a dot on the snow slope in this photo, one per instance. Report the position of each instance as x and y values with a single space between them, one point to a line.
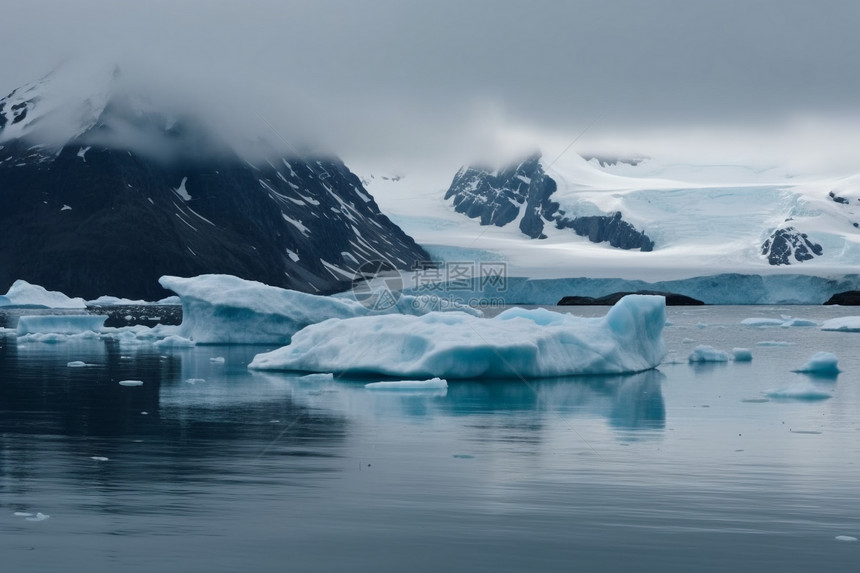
703 219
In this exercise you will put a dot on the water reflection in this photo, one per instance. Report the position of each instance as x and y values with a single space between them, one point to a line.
627 402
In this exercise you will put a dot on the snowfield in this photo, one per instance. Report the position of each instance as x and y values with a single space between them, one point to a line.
704 219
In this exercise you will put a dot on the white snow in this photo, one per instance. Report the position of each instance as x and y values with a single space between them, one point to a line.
293 255
131 382
223 309
704 353
742 354
802 391
182 191
821 363
65 208
842 324
705 220
60 324
22 293
516 343
82 153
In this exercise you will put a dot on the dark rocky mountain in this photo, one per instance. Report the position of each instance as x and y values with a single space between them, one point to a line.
846 298
90 216
672 299
524 191
788 245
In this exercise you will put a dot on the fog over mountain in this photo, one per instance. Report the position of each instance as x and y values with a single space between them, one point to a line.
407 83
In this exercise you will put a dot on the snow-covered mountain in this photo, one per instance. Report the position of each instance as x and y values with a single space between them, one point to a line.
103 190
632 218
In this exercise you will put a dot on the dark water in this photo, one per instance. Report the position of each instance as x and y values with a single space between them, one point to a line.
213 468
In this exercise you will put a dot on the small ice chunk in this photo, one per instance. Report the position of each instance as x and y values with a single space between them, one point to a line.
704 353
432 384
847 538
99 458
773 343
820 363
22 514
804 391
701 325
217 360
742 354
39 517
76 364
131 382
195 381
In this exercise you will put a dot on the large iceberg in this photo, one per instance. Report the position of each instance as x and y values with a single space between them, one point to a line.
60 324
223 309
22 293
517 343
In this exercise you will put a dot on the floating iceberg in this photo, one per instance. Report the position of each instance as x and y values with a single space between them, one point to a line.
223 309
22 293
823 363
742 354
842 324
705 353
60 324
516 343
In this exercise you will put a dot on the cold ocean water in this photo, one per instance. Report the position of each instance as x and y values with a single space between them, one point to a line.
208 467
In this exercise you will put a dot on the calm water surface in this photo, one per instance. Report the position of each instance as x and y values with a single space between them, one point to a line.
212 468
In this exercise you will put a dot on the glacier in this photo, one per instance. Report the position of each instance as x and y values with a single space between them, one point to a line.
517 343
223 309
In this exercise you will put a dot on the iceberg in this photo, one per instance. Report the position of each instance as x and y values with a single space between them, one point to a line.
703 353
60 324
822 363
22 293
842 324
742 354
517 343
223 309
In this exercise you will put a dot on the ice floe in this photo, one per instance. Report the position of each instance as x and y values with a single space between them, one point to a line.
432 384
842 324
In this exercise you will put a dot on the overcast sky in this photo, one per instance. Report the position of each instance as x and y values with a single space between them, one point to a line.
380 78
